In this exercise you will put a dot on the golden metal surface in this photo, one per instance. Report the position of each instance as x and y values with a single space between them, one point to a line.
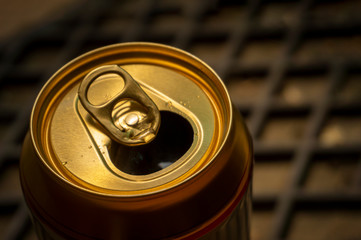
235 226
68 173
81 152
130 117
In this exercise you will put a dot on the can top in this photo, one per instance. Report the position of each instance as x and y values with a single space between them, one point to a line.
183 182
195 113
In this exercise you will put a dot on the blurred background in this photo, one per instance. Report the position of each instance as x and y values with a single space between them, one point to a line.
293 70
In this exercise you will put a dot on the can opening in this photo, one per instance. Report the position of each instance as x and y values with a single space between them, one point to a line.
173 140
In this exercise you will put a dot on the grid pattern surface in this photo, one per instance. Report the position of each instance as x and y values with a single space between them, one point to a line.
293 69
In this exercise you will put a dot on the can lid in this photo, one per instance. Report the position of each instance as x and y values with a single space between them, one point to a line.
191 175
194 106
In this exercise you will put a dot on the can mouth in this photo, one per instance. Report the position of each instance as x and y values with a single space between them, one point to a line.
186 91
91 176
173 140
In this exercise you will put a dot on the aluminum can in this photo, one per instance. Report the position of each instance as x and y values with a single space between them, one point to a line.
137 141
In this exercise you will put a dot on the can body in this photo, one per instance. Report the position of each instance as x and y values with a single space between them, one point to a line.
77 188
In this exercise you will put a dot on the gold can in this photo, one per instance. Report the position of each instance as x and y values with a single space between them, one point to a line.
137 141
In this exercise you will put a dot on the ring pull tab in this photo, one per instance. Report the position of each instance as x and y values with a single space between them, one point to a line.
130 117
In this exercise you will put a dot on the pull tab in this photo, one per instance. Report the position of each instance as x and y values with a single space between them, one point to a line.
131 117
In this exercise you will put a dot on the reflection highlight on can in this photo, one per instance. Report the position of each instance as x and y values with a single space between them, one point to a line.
137 141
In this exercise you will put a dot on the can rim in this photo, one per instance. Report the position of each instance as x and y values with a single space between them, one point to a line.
62 179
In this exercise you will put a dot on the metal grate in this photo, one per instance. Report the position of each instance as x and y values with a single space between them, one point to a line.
293 69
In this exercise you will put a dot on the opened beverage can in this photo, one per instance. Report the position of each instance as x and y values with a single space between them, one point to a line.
137 141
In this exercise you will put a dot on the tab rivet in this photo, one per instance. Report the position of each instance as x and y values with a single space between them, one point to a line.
132 119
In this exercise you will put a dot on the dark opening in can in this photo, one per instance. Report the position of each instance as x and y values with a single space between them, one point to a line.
137 141
161 152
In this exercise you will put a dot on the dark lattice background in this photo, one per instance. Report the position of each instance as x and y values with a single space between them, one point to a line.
293 69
